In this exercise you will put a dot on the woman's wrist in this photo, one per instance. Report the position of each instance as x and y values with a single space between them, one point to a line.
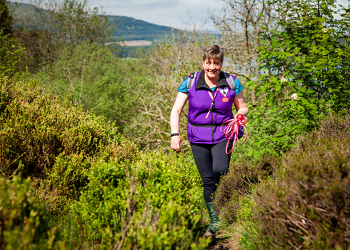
242 111
174 134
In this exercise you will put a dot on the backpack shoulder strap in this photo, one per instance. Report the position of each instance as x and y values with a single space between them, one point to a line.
191 78
230 81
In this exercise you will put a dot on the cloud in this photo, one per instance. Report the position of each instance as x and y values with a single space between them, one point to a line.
169 12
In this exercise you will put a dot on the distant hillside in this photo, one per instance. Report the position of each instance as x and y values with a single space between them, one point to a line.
128 28
133 29
22 9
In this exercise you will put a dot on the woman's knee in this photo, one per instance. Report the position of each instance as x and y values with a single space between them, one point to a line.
209 181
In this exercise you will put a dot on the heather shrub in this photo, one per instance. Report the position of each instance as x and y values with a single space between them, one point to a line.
238 183
47 139
152 203
24 224
307 205
102 191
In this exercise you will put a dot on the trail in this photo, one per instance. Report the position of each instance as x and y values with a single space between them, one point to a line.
222 242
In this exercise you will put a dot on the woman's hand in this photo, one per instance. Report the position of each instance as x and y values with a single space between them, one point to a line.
176 143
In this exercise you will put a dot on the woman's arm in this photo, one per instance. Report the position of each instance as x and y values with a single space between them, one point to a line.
240 105
175 119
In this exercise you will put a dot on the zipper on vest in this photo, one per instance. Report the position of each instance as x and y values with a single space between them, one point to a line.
212 129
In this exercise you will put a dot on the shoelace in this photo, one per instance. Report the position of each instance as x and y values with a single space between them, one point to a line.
232 129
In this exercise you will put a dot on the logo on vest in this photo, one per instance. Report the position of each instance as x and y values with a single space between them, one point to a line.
224 93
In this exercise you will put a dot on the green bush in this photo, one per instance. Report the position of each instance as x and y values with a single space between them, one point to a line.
11 53
153 203
101 190
24 224
267 129
93 77
305 66
52 140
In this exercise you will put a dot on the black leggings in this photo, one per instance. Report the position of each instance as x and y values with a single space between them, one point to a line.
212 161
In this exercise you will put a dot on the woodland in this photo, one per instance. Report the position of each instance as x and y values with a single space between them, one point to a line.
85 157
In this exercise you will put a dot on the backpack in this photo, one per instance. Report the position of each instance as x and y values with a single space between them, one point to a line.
193 77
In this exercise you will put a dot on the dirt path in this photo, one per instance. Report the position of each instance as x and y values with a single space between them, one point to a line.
222 242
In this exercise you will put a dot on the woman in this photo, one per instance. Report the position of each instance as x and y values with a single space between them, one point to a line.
211 94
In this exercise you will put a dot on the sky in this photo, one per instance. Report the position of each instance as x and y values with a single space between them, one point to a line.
173 13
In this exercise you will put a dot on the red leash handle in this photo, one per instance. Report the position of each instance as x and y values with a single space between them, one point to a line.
232 130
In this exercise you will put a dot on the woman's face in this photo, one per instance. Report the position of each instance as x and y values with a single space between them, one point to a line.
212 67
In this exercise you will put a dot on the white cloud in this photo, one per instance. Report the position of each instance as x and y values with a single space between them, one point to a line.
170 12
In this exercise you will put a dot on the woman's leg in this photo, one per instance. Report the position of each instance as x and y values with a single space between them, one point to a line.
203 157
221 160
212 161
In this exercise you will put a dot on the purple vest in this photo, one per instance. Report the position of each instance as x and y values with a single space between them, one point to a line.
207 130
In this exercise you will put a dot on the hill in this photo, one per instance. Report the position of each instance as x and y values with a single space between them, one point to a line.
133 29
128 28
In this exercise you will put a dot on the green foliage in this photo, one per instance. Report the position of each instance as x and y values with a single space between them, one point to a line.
134 51
234 201
179 55
10 55
93 77
302 204
24 224
306 66
47 27
267 129
248 232
103 192
157 198
6 19
43 138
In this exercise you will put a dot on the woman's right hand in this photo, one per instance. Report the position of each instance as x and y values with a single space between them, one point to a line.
176 143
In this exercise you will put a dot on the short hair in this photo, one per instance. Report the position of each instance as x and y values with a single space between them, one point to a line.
213 51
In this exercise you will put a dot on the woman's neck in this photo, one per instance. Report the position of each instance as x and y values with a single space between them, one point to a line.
211 82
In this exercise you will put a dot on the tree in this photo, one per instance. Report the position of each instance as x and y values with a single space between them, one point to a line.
5 18
57 24
305 65
239 24
10 50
